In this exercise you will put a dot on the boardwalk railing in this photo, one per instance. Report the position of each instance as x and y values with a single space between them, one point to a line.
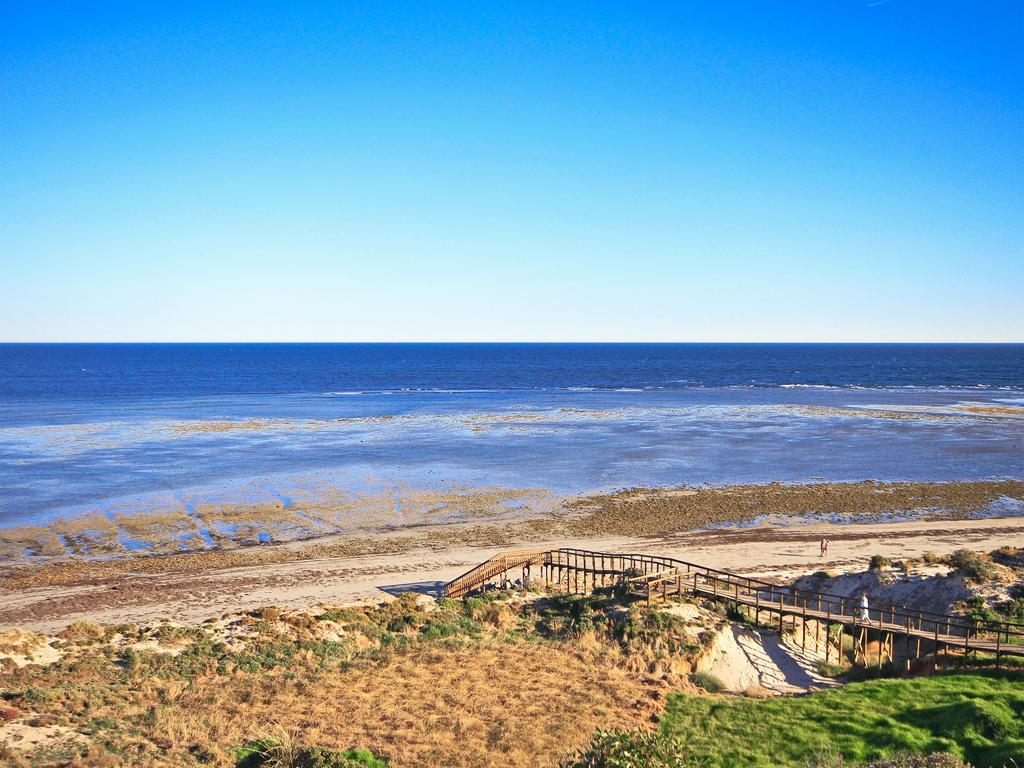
581 571
499 565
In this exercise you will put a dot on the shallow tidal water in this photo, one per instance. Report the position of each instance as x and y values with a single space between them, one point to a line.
125 428
158 455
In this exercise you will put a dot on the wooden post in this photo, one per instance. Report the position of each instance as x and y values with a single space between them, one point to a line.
880 640
906 648
803 629
853 636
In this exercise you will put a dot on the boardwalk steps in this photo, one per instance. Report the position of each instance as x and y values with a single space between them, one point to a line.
661 578
499 565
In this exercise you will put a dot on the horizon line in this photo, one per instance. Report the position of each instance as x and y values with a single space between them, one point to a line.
485 343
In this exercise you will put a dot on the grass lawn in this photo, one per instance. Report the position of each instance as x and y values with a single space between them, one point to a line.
978 716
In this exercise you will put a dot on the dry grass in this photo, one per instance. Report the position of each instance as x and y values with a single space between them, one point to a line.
481 682
496 705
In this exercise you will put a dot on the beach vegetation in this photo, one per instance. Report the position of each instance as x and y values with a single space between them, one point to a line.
82 631
707 681
629 749
971 565
288 753
352 677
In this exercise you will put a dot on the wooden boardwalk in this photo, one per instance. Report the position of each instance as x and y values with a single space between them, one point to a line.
655 578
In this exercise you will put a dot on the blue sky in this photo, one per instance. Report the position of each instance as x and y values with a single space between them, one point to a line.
762 171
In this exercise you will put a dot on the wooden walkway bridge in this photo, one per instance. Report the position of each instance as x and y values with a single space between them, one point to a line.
921 633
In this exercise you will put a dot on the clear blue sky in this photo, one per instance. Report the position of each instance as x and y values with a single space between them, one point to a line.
791 171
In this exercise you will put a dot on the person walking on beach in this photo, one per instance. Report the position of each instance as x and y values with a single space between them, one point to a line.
824 546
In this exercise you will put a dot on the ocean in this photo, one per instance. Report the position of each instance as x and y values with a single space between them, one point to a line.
135 427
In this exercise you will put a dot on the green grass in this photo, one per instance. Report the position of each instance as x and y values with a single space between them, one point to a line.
978 716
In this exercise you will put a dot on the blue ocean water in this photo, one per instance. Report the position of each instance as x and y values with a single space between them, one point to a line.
94 427
110 372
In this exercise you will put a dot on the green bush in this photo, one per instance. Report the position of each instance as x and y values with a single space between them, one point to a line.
978 610
631 749
878 562
971 565
270 753
707 681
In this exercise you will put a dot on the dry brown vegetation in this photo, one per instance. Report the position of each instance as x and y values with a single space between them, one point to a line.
501 704
480 682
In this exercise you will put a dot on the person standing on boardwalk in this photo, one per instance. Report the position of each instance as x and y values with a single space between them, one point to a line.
865 614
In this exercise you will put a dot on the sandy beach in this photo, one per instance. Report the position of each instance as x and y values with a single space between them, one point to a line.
783 542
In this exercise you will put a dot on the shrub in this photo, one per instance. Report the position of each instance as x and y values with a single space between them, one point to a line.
497 615
270 753
631 749
266 613
1008 555
453 626
970 565
707 681
82 631
1012 609
878 562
